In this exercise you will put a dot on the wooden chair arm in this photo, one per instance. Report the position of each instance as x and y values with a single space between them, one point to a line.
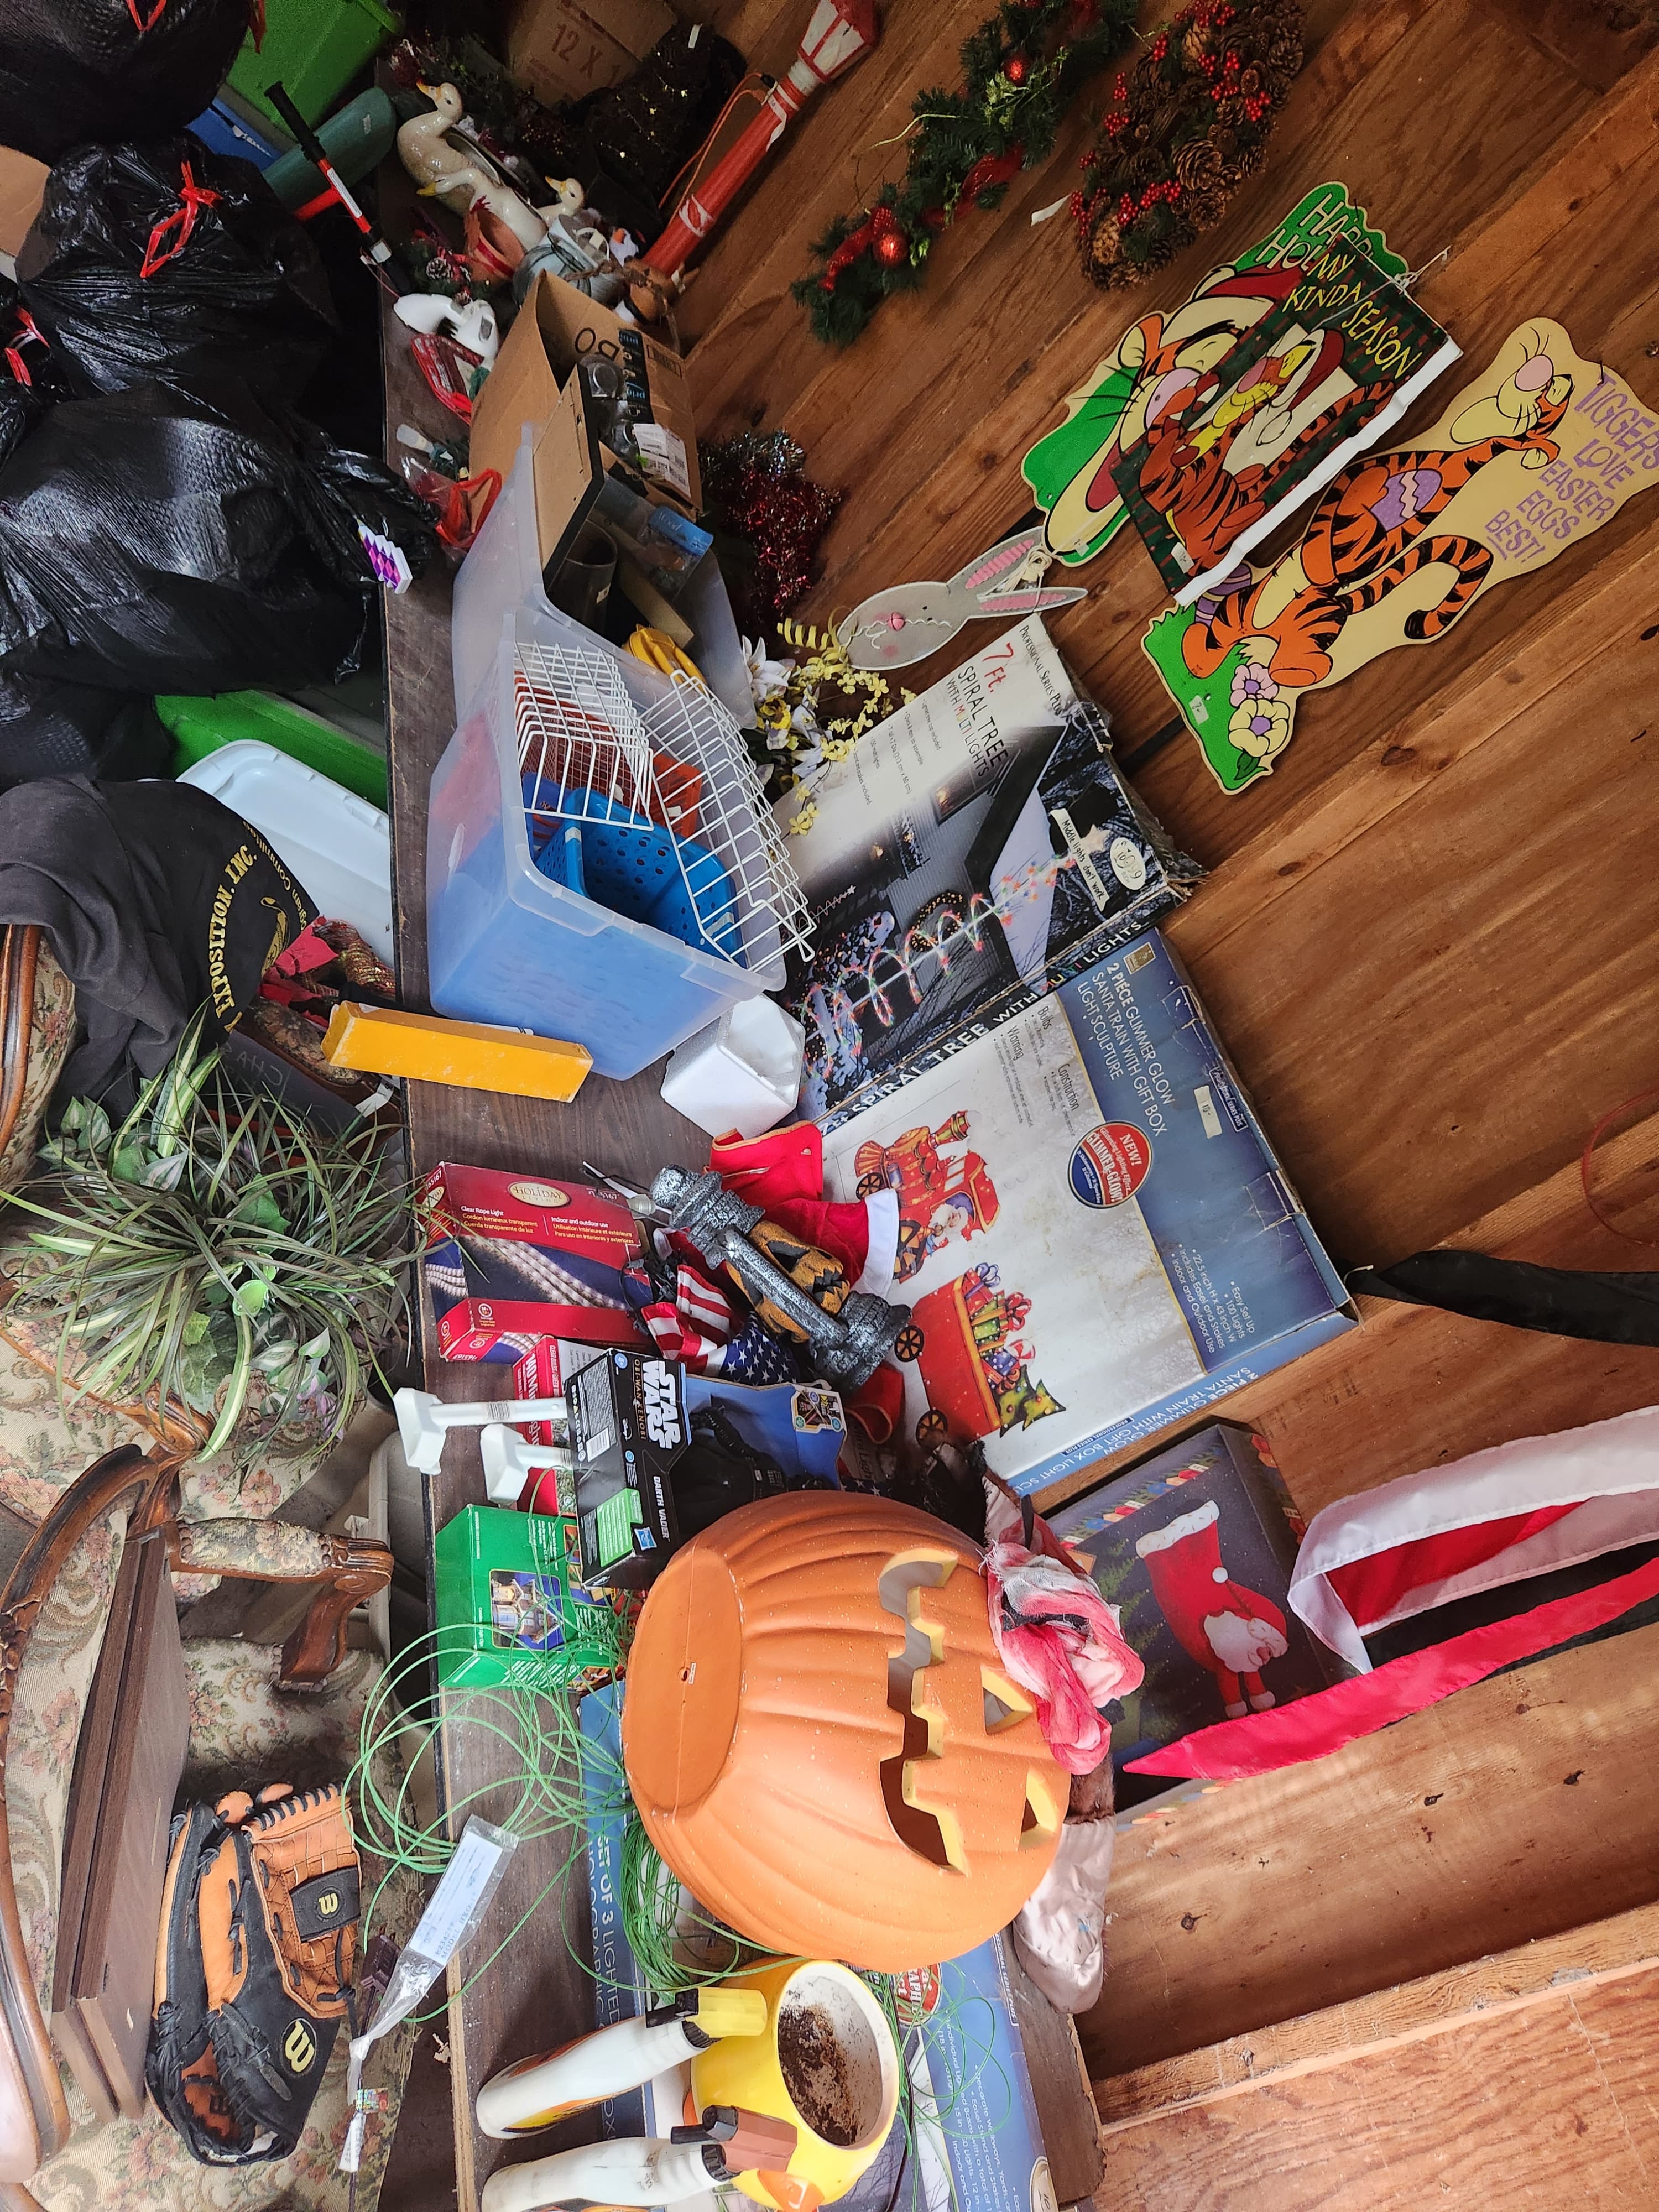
20 953
349 1568
35 2120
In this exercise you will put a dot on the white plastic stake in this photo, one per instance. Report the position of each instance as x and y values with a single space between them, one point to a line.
510 1461
425 1420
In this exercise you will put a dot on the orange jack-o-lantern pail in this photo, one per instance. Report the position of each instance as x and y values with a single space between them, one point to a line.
822 1740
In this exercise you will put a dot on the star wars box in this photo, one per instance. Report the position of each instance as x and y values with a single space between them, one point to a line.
627 1425
632 1420
1195 1547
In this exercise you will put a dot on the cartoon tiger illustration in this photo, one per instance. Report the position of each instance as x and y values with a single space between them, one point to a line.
1187 481
1372 532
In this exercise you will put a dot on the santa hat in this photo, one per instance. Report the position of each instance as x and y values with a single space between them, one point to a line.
1497 1517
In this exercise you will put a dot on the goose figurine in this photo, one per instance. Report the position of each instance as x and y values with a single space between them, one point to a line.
424 149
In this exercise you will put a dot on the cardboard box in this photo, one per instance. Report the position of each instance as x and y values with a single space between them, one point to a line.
560 49
988 817
1099 1240
533 373
511 1258
506 1607
1152 1540
630 1422
22 188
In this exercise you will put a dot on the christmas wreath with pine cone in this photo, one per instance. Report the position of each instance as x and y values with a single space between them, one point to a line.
1183 132
1021 70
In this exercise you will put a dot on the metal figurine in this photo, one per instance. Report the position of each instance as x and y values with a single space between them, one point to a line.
847 1333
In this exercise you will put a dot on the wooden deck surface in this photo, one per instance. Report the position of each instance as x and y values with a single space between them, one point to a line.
1427 940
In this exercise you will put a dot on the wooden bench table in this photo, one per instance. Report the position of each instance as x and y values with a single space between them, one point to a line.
537 1993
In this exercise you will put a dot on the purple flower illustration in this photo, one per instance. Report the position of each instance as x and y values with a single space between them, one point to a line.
1252 683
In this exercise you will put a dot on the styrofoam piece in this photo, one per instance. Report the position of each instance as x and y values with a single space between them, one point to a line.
741 1072
338 846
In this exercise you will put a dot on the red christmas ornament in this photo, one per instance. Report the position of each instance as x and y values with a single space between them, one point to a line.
890 249
1015 68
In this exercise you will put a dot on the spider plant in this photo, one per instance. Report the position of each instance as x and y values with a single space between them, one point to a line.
215 1251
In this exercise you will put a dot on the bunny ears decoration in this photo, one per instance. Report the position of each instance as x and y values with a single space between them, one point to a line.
905 624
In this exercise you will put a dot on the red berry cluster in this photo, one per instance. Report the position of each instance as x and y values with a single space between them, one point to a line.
1166 192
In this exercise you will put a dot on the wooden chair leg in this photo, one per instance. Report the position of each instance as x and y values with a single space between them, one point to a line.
347 1569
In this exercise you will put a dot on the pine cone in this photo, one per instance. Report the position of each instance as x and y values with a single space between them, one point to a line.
1205 209
1281 51
1197 164
1249 81
1198 42
1102 254
1225 142
1231 114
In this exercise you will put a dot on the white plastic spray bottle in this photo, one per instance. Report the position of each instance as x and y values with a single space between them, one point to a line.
646 2170
539 2091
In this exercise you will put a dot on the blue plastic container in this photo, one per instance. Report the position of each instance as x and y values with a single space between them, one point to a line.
507 943
226 131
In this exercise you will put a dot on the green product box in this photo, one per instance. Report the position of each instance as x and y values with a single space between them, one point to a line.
508 1607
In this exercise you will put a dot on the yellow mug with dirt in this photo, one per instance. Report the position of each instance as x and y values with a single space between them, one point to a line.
826 2060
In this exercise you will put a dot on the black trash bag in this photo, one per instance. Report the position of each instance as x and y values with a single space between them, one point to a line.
152 542
32 380
52 728
75 70
235 288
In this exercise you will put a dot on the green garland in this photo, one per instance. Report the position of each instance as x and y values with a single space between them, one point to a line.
1021 70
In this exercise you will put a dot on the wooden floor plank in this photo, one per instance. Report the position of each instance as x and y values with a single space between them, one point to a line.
1545 1971
1546 2110
1488 1820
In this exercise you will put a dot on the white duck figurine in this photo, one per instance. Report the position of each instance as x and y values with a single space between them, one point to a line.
434 164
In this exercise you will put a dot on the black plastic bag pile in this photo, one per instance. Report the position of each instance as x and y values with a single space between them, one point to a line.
168 523
75 70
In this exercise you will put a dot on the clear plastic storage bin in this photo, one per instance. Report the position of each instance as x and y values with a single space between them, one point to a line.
565 737
503 570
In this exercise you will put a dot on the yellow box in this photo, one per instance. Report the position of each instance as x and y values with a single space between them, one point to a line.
472 1055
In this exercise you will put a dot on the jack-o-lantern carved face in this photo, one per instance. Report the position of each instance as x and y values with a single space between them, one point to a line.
823 1743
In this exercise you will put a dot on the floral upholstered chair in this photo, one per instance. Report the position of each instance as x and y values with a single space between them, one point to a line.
255 1715
37 1030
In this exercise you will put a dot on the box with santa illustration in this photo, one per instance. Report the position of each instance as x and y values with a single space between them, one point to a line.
1095 1238
1195 1547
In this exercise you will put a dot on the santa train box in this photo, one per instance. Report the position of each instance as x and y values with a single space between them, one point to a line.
1195 1549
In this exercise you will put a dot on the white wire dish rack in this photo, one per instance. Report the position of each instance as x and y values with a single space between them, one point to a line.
655 812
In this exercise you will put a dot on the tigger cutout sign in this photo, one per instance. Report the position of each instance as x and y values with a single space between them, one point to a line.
1541 449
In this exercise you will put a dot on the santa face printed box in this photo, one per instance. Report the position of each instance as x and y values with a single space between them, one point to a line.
1195 1547
1095 1237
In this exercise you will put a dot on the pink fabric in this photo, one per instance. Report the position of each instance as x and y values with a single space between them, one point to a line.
1056 1636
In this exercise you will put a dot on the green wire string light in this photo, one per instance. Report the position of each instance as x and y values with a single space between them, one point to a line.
565 1781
